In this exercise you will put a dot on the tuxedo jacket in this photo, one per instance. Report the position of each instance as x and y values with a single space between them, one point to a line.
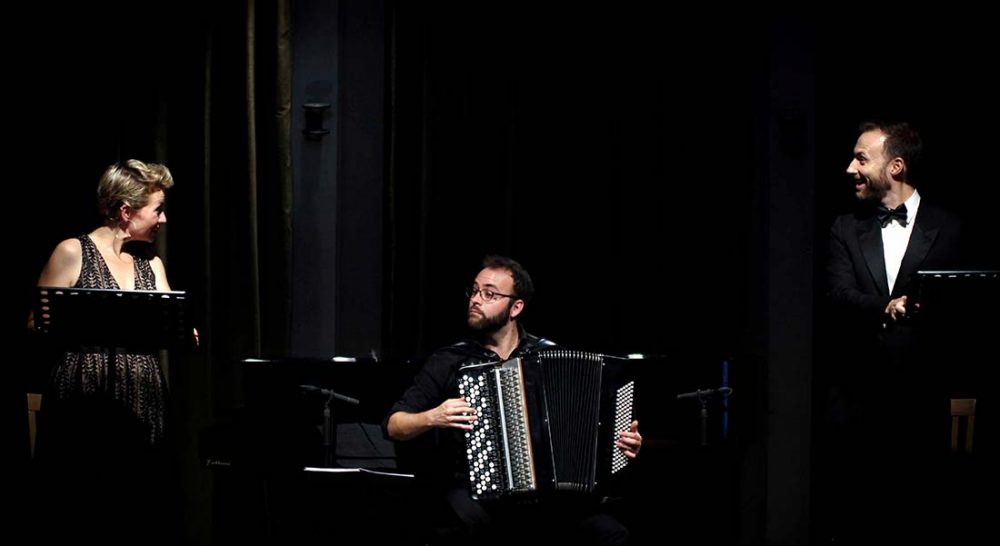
860 292
883 371
856 265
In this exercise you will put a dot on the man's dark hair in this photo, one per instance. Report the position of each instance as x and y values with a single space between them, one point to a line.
523 287
901 140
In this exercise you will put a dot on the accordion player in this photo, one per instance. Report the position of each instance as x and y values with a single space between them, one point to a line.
547 420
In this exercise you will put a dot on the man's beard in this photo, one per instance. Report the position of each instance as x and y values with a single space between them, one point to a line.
488 325
873 191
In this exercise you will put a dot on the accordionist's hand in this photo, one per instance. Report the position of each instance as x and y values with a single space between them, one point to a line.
630 441
452 413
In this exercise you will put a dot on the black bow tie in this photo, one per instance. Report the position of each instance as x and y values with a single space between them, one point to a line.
885 215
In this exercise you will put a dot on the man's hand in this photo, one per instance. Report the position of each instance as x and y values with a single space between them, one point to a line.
630 441
896 308
452 413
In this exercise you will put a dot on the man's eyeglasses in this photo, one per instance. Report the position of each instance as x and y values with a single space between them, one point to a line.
489 296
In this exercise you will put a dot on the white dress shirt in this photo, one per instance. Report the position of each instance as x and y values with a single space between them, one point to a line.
895 238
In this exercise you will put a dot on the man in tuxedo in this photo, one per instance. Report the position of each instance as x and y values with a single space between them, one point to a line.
876 251
884 412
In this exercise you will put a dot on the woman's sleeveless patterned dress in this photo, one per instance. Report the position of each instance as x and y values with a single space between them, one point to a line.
139 384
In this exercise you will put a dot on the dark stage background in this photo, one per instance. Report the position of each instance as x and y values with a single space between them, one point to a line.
667 180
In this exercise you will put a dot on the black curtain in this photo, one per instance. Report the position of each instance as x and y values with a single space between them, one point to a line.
589 146
205 91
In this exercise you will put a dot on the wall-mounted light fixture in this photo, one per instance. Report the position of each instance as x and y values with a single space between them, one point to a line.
314 120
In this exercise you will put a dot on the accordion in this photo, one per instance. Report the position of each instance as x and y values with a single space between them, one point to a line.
547 421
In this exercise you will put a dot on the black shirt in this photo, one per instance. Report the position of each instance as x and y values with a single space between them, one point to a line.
437 382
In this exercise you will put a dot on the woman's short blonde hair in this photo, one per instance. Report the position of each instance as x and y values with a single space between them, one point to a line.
130 183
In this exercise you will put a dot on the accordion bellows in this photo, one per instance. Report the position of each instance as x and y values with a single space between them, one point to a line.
547 421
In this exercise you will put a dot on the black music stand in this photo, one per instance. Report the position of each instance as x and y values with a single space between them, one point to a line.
956 311
958 294
139 321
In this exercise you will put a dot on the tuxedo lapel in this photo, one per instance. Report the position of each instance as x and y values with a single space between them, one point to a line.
870 240
921 241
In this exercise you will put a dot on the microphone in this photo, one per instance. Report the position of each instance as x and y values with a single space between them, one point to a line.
702 393
331 393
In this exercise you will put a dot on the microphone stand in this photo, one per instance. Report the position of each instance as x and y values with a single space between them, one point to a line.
329 433
703 396
329 427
